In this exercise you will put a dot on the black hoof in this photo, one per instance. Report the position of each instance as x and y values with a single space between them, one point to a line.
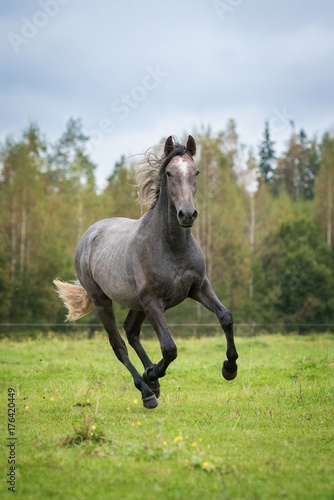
150 402
226 370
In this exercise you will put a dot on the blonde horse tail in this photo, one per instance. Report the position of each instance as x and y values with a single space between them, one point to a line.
75 299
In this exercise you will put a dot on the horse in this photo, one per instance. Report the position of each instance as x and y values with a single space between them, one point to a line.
148 265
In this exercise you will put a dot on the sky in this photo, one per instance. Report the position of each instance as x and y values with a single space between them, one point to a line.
137 71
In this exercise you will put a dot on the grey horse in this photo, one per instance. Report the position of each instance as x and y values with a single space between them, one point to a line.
148 265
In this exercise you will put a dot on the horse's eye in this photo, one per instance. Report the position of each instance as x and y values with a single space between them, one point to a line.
168 174
198 172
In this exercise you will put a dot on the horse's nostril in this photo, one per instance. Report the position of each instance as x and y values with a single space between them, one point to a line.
195 215
181 215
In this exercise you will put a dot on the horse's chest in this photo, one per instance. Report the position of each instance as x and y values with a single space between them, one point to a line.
172 284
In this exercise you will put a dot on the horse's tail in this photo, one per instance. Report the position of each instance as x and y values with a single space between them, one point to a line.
75 299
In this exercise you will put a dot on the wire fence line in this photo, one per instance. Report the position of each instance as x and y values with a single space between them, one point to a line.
99 325
24 330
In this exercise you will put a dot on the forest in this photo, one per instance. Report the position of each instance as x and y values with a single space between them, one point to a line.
265 224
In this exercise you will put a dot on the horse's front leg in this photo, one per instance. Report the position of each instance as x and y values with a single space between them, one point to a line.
206 296
156 316
132 326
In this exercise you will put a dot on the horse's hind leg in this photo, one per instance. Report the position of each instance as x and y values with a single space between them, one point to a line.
132 326
105 310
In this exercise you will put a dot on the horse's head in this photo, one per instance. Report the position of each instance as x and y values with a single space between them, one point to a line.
181 180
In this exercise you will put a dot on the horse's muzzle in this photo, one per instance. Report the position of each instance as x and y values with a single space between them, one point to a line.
187 217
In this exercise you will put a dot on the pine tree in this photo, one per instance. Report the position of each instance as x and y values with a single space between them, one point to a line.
267 156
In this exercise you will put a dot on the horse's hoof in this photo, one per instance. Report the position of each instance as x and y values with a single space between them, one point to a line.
150 402
227 374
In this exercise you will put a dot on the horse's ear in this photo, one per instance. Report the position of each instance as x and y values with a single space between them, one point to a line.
169 145
191 146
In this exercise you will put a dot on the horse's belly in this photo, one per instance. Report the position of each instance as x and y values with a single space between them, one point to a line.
123 297
118 284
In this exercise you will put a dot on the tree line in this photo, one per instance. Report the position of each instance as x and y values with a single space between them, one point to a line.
265 223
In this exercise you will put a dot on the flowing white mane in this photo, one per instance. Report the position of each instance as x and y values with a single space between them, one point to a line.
148 177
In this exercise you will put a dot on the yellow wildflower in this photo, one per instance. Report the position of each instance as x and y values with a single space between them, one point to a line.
26 407
135 401
93 427
178 438
205 464
194 444
132 423
128 408
186 462
165 442
52 399
138 423
92 433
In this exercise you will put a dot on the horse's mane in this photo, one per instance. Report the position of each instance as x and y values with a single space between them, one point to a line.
150 171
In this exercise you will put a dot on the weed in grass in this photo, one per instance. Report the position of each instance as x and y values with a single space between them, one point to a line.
86 432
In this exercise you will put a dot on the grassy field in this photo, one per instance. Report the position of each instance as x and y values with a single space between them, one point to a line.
82 431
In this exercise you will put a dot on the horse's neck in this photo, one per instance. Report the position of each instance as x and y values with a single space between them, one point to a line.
175 236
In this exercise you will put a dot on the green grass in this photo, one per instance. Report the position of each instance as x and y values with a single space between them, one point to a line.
266 435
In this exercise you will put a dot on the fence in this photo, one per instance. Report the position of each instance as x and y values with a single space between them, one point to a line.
22 330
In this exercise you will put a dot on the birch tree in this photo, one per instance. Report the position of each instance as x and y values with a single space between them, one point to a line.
325 189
